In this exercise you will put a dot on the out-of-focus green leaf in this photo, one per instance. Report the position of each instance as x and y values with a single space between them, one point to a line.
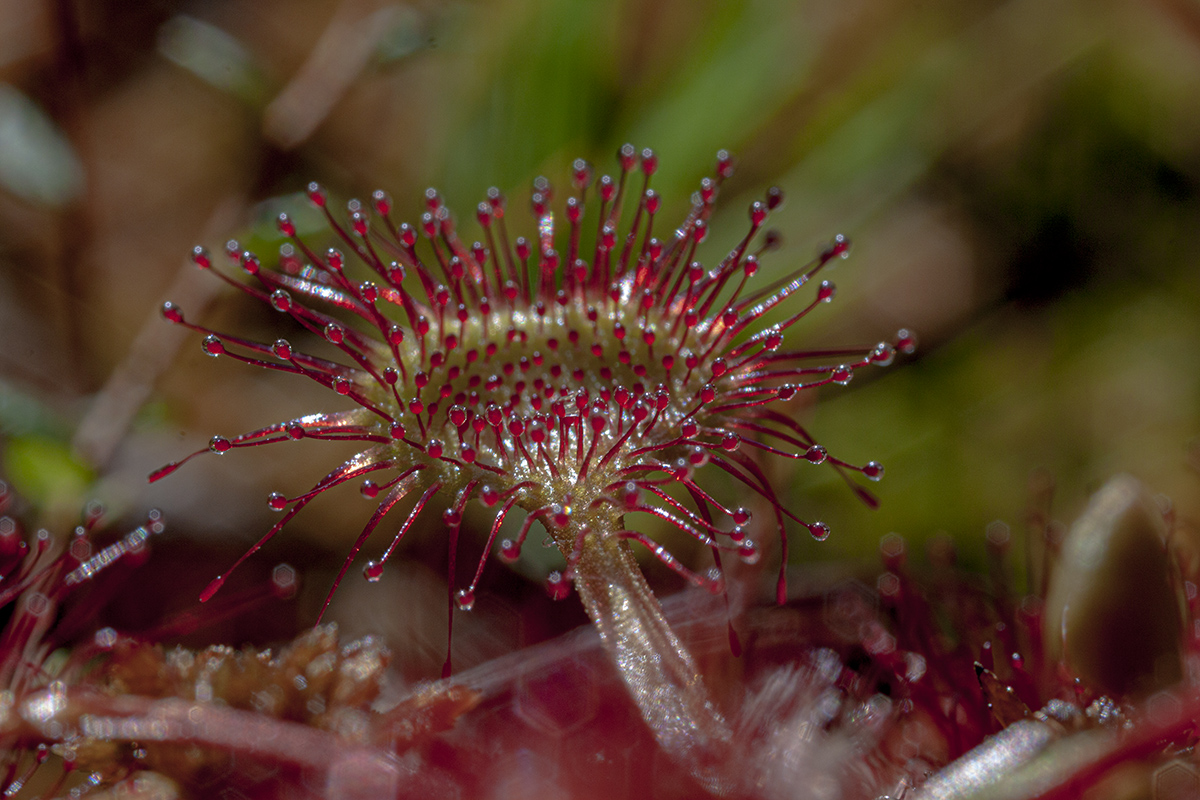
44 471
539 84
214 56
37 162
751 59
404 36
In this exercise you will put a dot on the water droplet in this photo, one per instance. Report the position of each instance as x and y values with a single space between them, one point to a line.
557 586
906 341
369 489
842 375
681 469
509 551
489 496
741 516
213 346
758 213
276 501
749 552
819 531
827 291
816 454
201 258
465 600
334 259
373 571
774 198
873 470
883 354
219 444
714 581
839 249
316 194
105 638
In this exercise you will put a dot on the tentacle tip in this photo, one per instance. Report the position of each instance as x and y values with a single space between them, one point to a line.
212 588
162 472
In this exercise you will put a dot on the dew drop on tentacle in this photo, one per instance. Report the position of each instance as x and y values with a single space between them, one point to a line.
219 444
509 551
373 571
818 530
557 586
883 354
465 599
201 258
906 341
276 501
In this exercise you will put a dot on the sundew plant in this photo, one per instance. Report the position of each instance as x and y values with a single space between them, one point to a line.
594 399
584 377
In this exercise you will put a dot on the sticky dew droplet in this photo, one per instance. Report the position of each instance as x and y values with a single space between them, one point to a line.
509 551
465 600
557 586
373 571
